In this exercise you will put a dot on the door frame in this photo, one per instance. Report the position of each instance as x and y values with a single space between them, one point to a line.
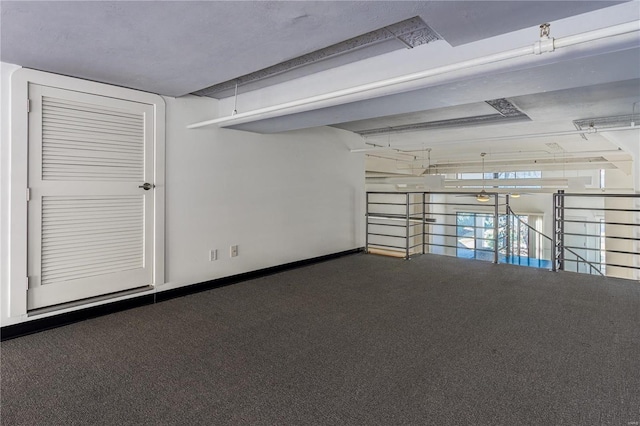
20 79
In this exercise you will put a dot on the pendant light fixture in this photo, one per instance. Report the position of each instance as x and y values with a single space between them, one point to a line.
483 197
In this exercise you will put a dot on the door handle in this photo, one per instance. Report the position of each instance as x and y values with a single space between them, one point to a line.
147 186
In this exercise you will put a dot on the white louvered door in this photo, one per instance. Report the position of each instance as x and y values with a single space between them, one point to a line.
90 230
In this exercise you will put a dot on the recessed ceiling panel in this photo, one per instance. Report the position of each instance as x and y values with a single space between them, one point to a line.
503 111
446 113
406 34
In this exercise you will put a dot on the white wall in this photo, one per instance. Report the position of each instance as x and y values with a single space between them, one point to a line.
629 142
5 170
280 198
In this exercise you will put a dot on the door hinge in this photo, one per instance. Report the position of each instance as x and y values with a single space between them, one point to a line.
28 194
27 283
28 105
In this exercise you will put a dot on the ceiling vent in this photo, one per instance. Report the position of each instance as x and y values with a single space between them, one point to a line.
506 112
405 34
554 147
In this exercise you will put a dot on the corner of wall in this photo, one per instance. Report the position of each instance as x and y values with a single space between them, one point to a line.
6 71
627 141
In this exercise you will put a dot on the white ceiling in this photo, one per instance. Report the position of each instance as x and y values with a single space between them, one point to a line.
174 48
551 111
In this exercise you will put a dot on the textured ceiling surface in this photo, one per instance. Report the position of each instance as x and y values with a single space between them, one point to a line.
408 33
174 48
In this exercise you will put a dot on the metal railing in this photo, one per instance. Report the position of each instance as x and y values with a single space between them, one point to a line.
390 225
513 220
511 213
407 223
599 236
598 231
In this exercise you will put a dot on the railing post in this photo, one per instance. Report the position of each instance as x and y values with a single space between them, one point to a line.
496 228
508 230
408 230
553 233
528 246
519 254
424 218
366 217
561 230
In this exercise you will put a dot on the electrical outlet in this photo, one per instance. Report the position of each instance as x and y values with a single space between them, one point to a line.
213 255
234 251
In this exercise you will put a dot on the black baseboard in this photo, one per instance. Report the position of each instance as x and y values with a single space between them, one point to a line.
30 327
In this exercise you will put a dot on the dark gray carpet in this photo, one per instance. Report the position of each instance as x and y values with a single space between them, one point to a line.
359 340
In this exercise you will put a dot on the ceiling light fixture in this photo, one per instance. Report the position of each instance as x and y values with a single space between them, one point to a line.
483 197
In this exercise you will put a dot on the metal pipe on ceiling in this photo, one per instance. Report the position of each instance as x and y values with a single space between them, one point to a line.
521 156
545 44
590 130
438 181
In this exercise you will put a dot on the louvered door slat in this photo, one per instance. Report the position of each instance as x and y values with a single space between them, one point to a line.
105 130
62 153
71 249
84 161
53 129
88 146
73 105
60 233
75 246
114 140
54 117
77 218
80 215
61 110
62 256
79 117
56 231
90 271
90 264
88 164
98 199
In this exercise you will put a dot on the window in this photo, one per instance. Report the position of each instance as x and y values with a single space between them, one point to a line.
475 236
534 174
475 239
530 174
